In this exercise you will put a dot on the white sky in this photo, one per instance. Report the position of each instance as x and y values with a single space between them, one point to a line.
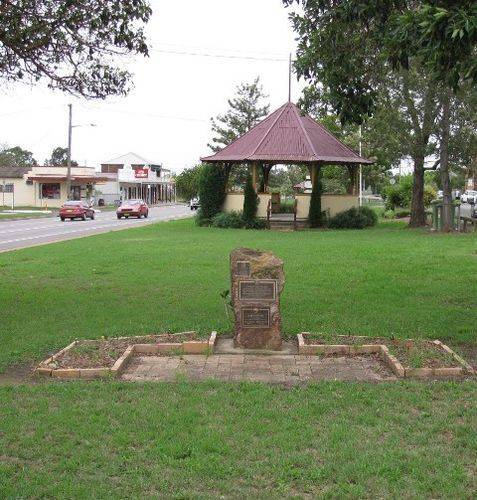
166 117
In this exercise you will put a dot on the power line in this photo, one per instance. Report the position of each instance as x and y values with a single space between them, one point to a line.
219 56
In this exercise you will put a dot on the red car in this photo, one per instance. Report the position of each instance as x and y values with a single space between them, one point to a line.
132 208
76 210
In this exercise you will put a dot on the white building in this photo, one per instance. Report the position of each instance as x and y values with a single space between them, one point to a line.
132 176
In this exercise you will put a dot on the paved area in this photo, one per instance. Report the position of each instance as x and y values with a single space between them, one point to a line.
285 369
24 233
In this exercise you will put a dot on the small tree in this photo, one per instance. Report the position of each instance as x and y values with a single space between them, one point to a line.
250 201
187 182
59 158
211 191
16 157
315 215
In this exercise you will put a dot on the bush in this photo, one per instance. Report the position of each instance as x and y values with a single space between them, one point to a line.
250 200
370 214
394 196
228 220
354 218
255 223
235 220
389 214
211 192
401 213
315 215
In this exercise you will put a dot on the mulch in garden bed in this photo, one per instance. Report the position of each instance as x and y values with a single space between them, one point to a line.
104 353
411 353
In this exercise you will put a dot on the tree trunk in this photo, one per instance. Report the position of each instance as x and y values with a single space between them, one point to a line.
418 212
444 165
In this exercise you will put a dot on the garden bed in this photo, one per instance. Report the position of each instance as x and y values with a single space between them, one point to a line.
406 358
109 357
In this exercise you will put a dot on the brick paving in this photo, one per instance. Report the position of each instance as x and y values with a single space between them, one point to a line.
286 369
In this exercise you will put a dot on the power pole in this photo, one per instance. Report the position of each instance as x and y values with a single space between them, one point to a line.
289 76
68 165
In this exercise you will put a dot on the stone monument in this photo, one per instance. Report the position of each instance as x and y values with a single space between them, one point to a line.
257 282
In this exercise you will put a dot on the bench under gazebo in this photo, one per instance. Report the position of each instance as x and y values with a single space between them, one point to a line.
287 137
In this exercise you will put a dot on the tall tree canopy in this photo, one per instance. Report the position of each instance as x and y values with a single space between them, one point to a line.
245 110
356 50
71 44
59 158
16 157
347 44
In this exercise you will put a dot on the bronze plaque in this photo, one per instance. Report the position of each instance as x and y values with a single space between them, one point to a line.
256 317
242 268
257 290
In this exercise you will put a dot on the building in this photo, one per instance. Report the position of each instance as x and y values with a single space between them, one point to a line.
132 176
46 186
288 137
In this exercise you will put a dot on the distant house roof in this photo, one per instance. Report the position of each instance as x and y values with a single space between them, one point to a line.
13 172
131 159
287 136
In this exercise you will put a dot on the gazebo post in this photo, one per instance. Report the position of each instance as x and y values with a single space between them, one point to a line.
255 175
353 175
265 176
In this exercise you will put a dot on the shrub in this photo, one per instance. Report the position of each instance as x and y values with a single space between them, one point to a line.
370 214
250 200
389 214
354 218
402 212
394 196
211 192
315 215
255 223
228 220
235 220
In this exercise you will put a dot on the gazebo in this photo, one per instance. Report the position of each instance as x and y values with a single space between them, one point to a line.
288 137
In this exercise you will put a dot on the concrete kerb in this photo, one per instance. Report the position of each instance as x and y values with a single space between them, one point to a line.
391 361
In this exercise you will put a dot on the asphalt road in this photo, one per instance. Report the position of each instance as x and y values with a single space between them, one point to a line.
25 233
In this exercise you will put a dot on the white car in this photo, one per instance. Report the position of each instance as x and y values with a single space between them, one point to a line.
469 196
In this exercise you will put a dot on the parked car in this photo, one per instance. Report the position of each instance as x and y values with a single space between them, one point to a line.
469 196
132 208
76 210
194 204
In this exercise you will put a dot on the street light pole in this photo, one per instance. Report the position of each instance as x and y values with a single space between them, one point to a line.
68 165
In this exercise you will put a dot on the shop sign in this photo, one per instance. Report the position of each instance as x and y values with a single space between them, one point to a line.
141 173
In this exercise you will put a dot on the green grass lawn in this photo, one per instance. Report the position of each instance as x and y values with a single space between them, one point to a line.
337 440
168 276
201 440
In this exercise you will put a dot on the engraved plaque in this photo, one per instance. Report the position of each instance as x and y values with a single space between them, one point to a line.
242 268
256 318
257 290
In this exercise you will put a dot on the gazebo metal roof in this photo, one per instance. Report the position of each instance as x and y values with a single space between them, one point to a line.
287 136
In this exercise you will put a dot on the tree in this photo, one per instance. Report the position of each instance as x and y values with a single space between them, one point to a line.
16 157
187 182
350 46
213 179
71 44
250 201
245 111
59 158
315 214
